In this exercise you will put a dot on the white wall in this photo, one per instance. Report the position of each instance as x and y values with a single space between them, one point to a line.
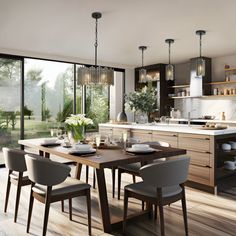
207 106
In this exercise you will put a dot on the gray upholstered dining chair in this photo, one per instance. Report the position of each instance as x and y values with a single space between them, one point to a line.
51 184
15 163
163 183
133 168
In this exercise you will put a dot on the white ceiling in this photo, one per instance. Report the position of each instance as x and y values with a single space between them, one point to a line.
65 28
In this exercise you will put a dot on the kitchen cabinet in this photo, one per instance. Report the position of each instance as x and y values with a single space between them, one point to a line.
169 137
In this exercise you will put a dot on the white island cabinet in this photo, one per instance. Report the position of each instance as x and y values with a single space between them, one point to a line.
203 146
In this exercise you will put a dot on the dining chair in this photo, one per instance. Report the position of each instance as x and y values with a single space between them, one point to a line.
163 183
133 168
50 183
15 163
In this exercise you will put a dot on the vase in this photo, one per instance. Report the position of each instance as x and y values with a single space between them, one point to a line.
141 117
76 135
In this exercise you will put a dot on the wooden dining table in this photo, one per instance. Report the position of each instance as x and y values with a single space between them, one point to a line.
108 158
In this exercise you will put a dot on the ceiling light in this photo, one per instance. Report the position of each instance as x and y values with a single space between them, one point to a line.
142 71
95 74
200 69
169 67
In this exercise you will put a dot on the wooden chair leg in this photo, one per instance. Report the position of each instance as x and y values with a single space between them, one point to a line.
134 179
94 179
62 206
183 200
46 211
87 173
162 224
31 203
113 181
18 195
89 211
155 212
70 208
143 205
126 200
7 190
119 182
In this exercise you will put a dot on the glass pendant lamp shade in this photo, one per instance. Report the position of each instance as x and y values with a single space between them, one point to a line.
95 74
142 71
170 72
200 65
142 76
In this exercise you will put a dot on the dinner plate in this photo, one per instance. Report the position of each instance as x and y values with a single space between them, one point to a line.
82 152
145 151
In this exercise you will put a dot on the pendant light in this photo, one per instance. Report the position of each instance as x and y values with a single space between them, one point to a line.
142 71
200 70
169 67
95 74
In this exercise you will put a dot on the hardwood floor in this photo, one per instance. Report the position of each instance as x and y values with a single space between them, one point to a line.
207 214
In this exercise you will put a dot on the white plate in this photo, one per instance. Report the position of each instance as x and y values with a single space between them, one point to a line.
141 151
73 151
229 168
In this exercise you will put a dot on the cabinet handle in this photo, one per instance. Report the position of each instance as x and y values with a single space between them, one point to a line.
149 132
207 138
174 135
208 152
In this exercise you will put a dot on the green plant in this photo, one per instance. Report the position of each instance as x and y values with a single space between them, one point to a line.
144 100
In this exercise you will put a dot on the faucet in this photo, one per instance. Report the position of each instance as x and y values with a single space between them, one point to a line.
189 116
189 119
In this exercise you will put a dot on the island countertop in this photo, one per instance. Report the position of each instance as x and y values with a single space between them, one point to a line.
194 129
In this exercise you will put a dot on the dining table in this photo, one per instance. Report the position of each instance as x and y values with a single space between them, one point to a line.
108 158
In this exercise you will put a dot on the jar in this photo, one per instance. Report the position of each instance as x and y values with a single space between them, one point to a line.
183 93
215 91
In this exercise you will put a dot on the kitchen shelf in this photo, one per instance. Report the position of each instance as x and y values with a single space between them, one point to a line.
222 173
180 86
218 96
183 97
221 82
230 69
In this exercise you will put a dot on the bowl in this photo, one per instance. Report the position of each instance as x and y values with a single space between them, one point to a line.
83 147
226 147
233 144
140 147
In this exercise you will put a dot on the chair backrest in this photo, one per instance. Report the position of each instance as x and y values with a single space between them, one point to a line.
167 173
159 143
44 171
14 159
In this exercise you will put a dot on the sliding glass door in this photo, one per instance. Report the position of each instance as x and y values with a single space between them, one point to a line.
10 111
49 94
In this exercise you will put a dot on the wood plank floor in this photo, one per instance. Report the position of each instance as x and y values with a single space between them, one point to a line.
208 214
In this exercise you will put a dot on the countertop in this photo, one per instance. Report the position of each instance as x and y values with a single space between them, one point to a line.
203 120
178 128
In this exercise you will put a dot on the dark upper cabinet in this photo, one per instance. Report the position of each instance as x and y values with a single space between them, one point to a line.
163 87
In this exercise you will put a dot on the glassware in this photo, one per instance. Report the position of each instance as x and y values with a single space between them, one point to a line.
98 141
124 137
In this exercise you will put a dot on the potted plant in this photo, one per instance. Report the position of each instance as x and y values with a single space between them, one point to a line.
75 126
143 101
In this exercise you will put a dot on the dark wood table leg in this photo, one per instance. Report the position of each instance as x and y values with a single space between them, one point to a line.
47 155
41 153
103 201
78 170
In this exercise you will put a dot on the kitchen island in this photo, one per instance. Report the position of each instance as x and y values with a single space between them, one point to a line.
203 146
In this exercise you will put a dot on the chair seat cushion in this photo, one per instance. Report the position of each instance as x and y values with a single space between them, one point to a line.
149 191
70 185
15 176
133 167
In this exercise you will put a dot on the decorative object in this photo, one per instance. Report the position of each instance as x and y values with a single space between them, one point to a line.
144 101
95 74
142 71
122 117
75 125
200 70
169 67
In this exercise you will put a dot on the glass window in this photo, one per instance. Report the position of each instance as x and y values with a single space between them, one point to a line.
10 79
48 96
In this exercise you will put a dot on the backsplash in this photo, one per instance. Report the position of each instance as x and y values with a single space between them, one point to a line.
199 107
208 106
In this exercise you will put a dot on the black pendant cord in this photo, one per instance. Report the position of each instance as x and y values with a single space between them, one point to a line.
142 57
200 49
96 41
169 51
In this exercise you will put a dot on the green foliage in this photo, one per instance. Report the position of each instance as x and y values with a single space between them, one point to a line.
67 110
144 100
27 112
10 70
